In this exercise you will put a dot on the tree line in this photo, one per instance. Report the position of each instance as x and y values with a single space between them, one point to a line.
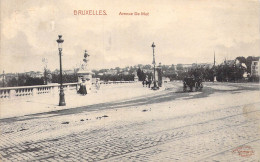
26 80
223 72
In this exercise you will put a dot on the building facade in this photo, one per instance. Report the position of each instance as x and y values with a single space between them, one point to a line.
255 68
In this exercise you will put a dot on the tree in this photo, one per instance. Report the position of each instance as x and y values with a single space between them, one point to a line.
47 75
209 74
12 83
34 81
131 70
21 79
179 67
165 67
95 72
181 75
66 78
147 67
139 74
172 68
241 59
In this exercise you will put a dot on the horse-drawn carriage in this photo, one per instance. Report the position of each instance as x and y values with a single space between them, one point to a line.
191 82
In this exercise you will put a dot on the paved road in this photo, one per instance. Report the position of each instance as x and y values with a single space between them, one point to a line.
167 126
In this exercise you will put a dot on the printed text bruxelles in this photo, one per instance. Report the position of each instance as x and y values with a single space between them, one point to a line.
90 12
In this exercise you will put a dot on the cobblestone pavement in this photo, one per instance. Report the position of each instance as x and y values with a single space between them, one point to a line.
210 135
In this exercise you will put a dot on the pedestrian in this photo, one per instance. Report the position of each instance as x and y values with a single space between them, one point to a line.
143 83
97 84
83 89
80 82
149 83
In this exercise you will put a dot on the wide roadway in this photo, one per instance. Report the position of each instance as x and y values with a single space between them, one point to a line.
219 123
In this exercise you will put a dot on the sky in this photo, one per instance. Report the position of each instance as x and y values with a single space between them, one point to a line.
184 31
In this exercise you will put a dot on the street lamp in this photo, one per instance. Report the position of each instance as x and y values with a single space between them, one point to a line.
154 81
62 99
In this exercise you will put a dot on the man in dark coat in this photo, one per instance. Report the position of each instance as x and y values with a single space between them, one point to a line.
149 83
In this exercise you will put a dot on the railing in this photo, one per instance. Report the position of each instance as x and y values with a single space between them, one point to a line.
115 82
12 92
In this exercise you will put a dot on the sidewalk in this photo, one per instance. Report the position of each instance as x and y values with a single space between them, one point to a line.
47 102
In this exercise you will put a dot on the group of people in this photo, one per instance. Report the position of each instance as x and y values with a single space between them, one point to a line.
83 87
147 82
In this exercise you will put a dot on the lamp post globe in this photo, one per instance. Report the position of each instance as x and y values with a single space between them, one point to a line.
62 95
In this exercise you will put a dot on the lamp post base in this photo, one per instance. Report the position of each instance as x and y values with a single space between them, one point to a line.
155 88
62 98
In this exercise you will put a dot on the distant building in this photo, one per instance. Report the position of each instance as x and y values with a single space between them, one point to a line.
34 74
100 74
38 74
202 65
111 72
255 68
185 65
69 72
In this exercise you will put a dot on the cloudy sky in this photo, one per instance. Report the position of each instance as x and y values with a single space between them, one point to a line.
184 31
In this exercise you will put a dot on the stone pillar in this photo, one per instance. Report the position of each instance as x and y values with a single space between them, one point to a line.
35 91
12 93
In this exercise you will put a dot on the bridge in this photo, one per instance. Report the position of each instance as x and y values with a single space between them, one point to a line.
13 92
25 100
129 122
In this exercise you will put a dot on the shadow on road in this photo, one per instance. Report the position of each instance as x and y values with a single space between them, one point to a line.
170 94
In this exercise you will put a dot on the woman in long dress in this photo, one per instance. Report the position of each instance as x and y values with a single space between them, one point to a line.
97 84
83 89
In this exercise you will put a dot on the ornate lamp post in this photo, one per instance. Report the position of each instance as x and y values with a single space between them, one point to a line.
154 81
62 99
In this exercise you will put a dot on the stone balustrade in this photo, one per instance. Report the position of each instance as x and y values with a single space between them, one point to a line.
12 92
